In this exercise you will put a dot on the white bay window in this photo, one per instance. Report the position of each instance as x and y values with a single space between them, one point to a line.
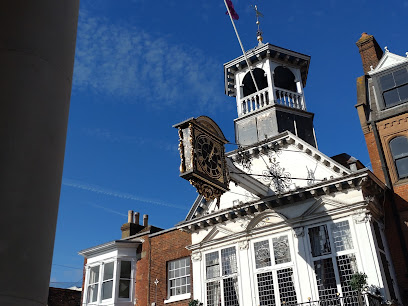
110 273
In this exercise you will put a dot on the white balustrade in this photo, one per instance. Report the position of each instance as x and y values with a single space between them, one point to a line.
289 98
263 98
255 101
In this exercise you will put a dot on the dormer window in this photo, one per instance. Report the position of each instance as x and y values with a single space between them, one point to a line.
260 78
394 87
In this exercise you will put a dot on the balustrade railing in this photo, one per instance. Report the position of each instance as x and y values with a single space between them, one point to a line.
263 98
289 98
255 101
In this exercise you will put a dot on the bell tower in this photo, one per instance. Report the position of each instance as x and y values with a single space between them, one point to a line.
275 102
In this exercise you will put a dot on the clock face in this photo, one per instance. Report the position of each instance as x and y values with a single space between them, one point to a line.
209 156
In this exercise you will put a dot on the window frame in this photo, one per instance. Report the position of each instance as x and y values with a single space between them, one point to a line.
274 268
221 278
380 91
333 255
182 296
115 281
394 158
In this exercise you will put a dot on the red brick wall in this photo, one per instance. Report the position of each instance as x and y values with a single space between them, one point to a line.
374 156
142 274
167 247
155 253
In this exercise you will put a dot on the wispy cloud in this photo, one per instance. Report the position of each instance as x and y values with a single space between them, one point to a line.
116 194
126 61
108 136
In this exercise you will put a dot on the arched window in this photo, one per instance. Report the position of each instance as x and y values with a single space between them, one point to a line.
399 151
284 78
260 78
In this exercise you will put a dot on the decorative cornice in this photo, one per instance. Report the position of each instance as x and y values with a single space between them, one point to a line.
341 184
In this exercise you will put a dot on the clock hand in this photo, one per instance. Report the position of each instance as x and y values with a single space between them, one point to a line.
211 154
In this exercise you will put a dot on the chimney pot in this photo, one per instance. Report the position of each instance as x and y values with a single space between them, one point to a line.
145 220
130 216
137 218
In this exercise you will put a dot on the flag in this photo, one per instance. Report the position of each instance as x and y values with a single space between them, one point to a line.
234 14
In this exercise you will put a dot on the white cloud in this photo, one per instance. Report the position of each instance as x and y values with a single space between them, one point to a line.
127 62
116 194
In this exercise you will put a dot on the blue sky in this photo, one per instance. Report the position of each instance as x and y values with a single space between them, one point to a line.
141 67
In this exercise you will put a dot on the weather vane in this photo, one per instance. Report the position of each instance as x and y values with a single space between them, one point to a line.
259 31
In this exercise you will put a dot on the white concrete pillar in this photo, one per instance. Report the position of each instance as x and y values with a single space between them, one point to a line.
37 47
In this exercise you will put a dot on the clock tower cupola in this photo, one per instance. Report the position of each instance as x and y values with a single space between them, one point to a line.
275 102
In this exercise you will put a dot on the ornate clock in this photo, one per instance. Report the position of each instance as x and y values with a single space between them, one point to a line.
202 156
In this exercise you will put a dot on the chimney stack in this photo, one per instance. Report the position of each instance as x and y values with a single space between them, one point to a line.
370 51
130 216
145 220
132 227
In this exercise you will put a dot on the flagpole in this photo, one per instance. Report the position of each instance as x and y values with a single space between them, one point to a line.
242 48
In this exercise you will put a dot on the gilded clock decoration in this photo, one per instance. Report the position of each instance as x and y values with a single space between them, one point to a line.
209 156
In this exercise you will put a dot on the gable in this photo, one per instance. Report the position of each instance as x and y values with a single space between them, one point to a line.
279 166
388 60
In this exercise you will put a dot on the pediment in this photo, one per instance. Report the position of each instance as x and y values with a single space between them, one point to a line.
388 60
266 219
321 205
217 231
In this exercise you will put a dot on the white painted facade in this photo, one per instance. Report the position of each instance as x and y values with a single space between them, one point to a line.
295 224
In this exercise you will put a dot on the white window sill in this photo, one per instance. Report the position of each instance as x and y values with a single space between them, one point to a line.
179 297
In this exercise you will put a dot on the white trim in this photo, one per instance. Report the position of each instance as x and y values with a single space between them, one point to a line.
176 298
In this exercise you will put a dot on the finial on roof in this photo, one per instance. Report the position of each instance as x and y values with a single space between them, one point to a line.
386 49
371 67
406 53
259 31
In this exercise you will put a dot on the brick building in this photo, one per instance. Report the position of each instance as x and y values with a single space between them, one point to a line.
147 266
382 106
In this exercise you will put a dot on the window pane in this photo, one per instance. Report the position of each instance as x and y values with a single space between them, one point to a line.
342 236
391 97
403 92
212 265
287 293
231 292
319 240
180 277
401 77
399 147
94 275
108 271
92 293
281 249
229 261
347 267
213 294
387 82
124 288
107 290
402 167
265 289
326 281
262 254
125 269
